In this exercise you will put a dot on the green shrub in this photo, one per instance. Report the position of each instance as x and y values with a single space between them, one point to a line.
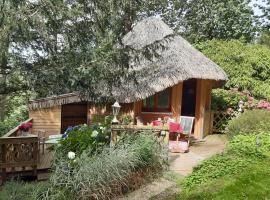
223 99
14 190
7 125
79 138
249 122
252 145
93 176
247 65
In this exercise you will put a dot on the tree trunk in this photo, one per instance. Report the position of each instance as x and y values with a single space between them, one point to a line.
3 82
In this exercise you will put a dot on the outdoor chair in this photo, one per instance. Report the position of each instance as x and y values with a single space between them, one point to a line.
187 125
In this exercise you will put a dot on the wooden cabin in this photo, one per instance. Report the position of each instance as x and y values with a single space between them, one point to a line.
176 81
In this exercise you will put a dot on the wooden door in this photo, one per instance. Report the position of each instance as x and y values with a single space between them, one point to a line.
73 114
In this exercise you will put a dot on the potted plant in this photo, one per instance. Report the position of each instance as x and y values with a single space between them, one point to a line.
25 127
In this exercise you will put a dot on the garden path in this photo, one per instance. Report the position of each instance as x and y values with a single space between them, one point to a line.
183 163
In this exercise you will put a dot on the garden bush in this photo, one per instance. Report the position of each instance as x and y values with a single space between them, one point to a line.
224 99
253 145
95 176
247 65
249 122
79 138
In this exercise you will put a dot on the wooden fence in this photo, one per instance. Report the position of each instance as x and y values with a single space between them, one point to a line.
18 153
220 119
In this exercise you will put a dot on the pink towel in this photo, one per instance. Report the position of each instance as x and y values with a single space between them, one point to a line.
175 127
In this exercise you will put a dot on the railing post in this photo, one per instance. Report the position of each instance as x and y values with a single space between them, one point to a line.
113 137
3 160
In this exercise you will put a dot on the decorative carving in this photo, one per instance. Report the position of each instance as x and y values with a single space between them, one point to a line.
19 152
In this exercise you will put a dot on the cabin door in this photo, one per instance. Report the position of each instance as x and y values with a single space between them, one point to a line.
73 114
189 98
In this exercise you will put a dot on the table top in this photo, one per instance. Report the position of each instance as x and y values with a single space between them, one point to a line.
53 139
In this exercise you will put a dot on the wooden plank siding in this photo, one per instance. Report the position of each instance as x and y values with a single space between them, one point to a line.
203 108
207 117
48 119
177 91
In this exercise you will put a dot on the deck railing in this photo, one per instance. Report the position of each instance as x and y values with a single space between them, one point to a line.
18 153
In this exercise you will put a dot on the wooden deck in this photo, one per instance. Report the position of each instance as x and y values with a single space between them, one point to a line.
43 168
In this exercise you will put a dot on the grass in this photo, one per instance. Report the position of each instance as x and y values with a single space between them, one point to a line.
251 183
241 172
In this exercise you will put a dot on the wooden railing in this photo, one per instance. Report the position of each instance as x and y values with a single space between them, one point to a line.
18 153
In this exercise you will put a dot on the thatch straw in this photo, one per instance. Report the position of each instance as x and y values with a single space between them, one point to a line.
175 60
55 101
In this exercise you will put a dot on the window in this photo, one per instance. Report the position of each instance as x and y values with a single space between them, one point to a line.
160 102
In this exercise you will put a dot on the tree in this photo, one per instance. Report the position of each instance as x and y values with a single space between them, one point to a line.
218 19
28 37
265 37
248 65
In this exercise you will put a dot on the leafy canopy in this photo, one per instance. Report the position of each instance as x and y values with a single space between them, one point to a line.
248 65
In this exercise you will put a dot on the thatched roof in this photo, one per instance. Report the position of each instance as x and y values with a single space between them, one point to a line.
55 101
158 59
175 61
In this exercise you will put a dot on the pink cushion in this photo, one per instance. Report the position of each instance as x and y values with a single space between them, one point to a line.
175 127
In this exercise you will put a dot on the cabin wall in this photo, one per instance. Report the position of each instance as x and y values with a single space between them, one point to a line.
202 111
48 119
97 113
176 102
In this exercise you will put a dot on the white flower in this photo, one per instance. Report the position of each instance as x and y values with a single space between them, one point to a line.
71 155
94 133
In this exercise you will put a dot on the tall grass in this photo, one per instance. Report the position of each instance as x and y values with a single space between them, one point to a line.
98 176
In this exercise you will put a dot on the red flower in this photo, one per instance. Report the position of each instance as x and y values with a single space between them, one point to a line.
25 126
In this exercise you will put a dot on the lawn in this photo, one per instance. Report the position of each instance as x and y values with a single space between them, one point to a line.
251 183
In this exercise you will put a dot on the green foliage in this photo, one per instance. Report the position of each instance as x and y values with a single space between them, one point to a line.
7 125
214 168
82 137
253 146
251 183
14 190
95 175
265 37
248 65
240 153
232 19
12 121
223 99
251 121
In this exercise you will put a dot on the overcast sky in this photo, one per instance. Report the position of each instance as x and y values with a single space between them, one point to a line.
257 10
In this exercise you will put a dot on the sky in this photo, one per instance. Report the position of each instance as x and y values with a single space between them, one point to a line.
256 9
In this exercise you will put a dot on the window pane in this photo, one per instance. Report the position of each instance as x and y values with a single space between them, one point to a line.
149 102
164 99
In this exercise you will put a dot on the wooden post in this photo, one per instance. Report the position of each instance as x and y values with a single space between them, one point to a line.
176 100
3 160
113 136
200 109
